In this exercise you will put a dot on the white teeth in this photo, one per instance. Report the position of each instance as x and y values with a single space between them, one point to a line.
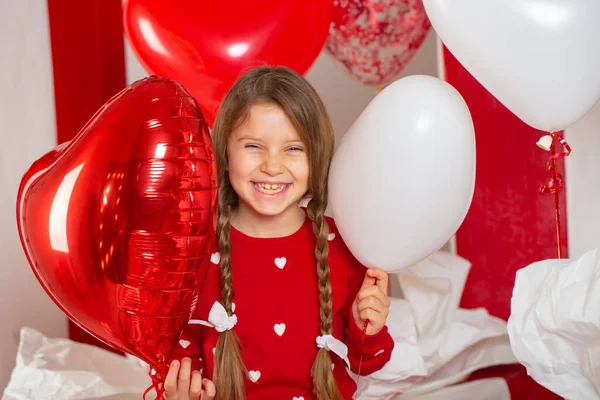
268 188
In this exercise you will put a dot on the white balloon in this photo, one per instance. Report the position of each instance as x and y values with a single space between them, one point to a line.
402 178
539 58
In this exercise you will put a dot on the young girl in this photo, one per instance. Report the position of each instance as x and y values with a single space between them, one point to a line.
284 303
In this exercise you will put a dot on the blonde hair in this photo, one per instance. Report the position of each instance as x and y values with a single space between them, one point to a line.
305 110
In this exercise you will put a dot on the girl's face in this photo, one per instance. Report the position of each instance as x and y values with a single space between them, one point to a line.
268 163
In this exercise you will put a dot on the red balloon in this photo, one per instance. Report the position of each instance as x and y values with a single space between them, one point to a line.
118 223
376 39
207 45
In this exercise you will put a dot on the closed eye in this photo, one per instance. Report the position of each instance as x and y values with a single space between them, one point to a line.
251 146
295 148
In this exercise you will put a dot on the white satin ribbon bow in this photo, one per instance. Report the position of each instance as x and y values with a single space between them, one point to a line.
328 342
217 318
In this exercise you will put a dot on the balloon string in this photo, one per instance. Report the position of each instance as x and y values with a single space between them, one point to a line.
364 332
555 185
362 342
156 385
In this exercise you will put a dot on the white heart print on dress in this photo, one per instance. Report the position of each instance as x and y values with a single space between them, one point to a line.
279 329
331 236
254 375
184 343
298 398
280 262
215 258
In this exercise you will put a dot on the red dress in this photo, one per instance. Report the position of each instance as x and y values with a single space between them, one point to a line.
277 305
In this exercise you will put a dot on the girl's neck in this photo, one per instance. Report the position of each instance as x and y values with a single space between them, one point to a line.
250 223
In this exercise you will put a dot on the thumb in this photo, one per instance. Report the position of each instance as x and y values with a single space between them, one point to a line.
381 278
368 280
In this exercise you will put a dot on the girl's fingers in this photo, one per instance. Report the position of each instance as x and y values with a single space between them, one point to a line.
373 291
374 303
376 319
209 391
171 380
184 375
196 385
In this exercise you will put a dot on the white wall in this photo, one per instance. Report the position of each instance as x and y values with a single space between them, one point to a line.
27 131
582 184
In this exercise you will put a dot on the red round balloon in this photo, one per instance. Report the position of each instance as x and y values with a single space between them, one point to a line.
207 45
117 224
376 39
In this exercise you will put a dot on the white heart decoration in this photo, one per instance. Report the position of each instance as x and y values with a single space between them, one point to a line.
184 343
215 258
279 329
280 262
534 56
254 375
331 236
298 398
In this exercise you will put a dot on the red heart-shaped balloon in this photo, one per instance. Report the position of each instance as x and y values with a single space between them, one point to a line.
206 45
117 224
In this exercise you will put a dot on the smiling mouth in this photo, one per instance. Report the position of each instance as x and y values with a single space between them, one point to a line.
270 188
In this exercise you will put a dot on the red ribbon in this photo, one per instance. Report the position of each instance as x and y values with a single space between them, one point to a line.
156 385
555 184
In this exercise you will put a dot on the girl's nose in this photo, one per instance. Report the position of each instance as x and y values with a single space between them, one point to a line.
273 165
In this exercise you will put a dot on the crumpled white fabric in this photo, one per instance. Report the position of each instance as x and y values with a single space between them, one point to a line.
60 369
482 389
484 350
451 342
554 326
406 365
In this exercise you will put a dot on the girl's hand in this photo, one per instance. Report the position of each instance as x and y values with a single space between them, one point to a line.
372 302
183 384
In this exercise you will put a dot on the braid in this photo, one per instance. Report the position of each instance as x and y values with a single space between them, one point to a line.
321 230
323 380
229 367
223 229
